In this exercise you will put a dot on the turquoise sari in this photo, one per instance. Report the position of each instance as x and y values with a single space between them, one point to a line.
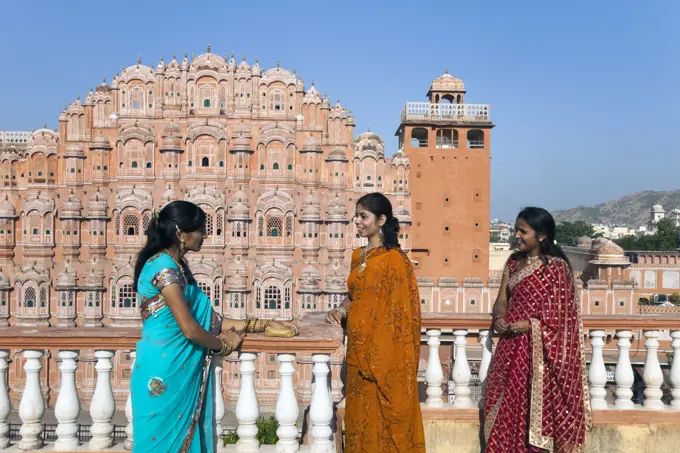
172 383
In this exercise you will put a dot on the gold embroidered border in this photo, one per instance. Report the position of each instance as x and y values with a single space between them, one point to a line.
523 273
493 413
536 437
186 444
151 306
587 410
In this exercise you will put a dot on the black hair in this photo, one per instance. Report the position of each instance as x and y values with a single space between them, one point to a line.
379 205
542 222
161 233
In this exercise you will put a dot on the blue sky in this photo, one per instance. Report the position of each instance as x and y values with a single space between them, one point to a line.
584 94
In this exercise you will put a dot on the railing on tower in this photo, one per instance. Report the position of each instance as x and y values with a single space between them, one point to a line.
445 112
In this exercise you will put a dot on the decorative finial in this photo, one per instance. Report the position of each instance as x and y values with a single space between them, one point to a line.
161 60
294 72
104 80
232 54
257 60
78 97
192 56
446 71
45 125
122 69
90 89
208 48
244 58
185 53
174 56
338 100
369 128
139 60
278 64
312 82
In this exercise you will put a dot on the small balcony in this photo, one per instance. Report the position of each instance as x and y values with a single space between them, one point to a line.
425 111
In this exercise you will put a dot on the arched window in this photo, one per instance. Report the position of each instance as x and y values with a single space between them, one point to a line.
209 224
272 298
274 226
29 297
131 225
419 138
206 102
43 297
148 165
276 166
260 226
475 139
205 162
206 288
289 226
290 166
127 296
134 164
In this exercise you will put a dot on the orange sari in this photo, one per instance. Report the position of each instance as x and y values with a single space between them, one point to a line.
382 412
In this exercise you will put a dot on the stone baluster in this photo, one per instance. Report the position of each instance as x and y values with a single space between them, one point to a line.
597 373
460 373
433 373
652 374
321 407
219 397
287 410
675 370
624 372
487 347
247 407
67 408
32 406
103 406
5 404
129 434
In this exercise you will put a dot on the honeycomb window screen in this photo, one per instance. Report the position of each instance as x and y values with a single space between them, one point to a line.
117 224
29 297
260 226
289 226
71 297
131 225
274 226
127 296
62 299
43 297
145 221
287 301
272 298
220 223
209 224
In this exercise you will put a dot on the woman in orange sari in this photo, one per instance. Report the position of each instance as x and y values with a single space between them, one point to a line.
382 412
537 395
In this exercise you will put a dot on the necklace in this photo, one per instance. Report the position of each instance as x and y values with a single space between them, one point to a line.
364 257
532 259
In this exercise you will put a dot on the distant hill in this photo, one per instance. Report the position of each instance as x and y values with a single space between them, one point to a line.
632 210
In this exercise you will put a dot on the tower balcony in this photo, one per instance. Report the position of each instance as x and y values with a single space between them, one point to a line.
426 111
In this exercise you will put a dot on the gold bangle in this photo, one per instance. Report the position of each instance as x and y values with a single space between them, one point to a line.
227 348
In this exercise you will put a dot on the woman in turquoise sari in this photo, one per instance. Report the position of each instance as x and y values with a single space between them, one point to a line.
172 383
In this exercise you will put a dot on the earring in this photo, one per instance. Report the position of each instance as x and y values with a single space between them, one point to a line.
382 235
181 246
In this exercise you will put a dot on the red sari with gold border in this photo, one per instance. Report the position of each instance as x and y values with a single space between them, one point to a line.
537 395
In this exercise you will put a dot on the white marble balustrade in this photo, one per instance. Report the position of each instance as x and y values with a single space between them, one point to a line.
102 407
621 397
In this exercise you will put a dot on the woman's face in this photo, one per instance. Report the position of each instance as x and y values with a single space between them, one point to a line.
367 223
193 241
526 237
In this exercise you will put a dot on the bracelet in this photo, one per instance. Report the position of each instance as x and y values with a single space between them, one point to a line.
343 311
227 348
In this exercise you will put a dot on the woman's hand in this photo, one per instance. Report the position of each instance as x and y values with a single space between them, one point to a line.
234 337
519 327
500 325
334 316
285 325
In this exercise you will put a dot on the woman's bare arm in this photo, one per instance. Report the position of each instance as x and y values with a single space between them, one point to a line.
191 329
500 307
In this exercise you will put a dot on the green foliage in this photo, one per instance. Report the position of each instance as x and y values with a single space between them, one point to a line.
230 438
643 301
568 232
665 238
675 298
266 430
494 236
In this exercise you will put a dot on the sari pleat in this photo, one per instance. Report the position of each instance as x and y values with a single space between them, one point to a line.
171 384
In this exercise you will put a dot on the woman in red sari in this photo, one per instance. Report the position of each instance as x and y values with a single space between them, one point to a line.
537 394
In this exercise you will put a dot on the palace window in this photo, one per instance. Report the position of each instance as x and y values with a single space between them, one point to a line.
127 296
29 297
205 162
131 225
274 226
272 298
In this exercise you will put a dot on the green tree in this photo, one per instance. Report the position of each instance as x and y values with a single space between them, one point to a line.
568 232
665 238
494 236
